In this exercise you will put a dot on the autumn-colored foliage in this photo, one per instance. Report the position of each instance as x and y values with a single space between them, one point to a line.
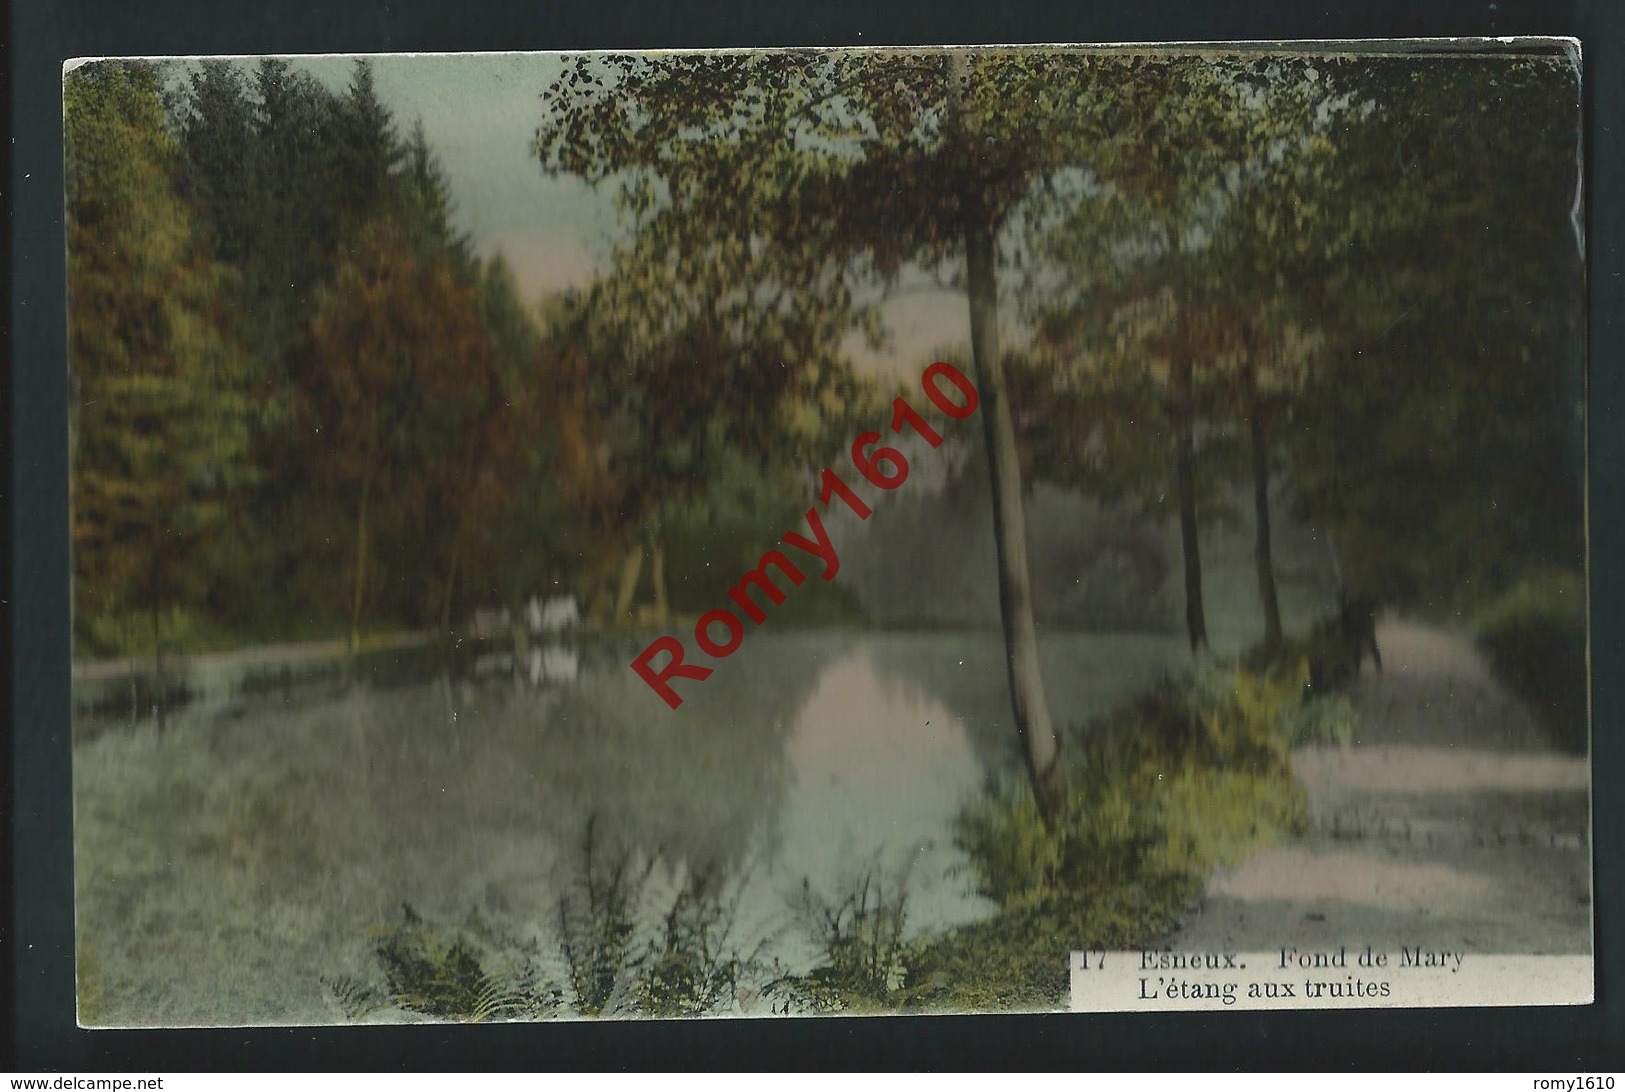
397 393
162 416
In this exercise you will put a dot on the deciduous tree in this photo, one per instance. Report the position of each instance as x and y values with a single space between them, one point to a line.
162 411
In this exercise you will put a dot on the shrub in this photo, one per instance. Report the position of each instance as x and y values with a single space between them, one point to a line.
461 974
1534 637
695 967
861 936
1188 776
595 928
628 943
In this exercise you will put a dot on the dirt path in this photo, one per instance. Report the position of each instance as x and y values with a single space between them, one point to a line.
1451 821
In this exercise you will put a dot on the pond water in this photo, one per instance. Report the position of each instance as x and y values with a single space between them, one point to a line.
227 865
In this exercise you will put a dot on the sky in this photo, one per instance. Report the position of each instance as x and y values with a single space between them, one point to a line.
480 113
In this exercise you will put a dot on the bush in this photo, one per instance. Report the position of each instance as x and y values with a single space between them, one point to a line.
1184 777
694 967
861 936
631 939
462 974
1191 775
1534 637
596 927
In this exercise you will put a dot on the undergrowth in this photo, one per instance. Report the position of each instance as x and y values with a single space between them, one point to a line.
469 973
861 934
631 937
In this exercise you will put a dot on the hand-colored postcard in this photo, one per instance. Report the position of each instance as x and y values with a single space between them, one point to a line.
777 532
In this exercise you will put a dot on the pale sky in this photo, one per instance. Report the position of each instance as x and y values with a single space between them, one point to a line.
480 113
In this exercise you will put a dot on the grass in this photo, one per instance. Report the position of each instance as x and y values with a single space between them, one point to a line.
860 933
188 632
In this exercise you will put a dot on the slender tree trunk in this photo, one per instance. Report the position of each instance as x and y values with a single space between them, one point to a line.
657 572
450 586
360 564
1185 483
1261 516
159 690
631 571
1040 745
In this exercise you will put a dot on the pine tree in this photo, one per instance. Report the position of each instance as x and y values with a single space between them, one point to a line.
162 416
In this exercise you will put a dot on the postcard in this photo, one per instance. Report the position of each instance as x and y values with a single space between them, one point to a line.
828 531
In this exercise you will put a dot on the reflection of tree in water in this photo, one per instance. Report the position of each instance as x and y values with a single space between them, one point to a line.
928 557
1086 674
965 673
697 784
485 802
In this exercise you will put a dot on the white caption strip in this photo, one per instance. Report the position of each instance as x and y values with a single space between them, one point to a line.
1340 977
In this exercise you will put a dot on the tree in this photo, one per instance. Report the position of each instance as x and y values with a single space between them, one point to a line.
399 370
1452 319
711 327
879 161
1192 273
289 175
162 415
366 155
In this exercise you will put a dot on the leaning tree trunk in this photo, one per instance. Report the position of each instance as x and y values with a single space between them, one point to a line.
1261 519
1040 746
1185 483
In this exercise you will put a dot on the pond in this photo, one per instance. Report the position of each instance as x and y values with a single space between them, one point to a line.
228 865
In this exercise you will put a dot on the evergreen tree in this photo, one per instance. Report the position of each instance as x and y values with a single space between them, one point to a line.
162 408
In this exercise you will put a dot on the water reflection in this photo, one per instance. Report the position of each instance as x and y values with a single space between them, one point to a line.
280 833
878 776
1085 674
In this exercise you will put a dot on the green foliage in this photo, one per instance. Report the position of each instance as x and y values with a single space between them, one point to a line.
1455 315
694 967
724 530
625 944
212 263
1535 639
1189 776
465 975
631 952
1205 240
860 934
596 928
1326 718
162 415
1184 777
